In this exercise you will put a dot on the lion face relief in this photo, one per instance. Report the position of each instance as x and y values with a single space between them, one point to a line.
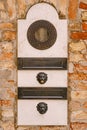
42 77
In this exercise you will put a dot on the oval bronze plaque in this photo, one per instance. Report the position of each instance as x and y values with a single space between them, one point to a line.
41 34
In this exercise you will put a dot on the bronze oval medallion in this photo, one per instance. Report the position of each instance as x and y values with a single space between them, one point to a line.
41 34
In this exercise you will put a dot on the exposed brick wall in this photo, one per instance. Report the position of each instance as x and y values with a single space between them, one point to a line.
76 13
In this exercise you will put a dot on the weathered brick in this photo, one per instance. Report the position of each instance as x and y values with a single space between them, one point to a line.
7 64
72 10
75 26
75 57
3 15
78 85
79 35
2 7
53 128
4 26
27 128
7 113
85 105
80 68
78 126
5 74
74 105
11 9
84 26
83 63
6 56
79 95
77 46
8 125
7 93
6 103
7 47
9 35
84 16
70 67
79 115
78 76
11 93
21 8
83 5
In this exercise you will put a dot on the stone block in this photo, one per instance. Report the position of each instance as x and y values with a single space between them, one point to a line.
75 57
11 7
77 46
7 113
79 95
5 74
74 105
7 64
8 125
78 115
84 15
7 47
75 26
78 85
85 105
3 16
71 67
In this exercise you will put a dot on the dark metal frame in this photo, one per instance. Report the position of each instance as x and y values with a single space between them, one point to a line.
42 93
42 63
51 30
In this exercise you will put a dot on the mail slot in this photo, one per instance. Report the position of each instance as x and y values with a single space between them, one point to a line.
42 67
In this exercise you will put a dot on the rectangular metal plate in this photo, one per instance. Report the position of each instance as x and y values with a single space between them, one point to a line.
42 93
42 63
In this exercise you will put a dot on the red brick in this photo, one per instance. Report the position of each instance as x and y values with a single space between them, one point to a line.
78 76
11 9
84 26
85 105
80 68
6 26
79 35
78 126
5 103
6 56
73 9
9 35
83 5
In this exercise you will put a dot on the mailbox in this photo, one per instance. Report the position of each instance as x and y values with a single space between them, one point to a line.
42 67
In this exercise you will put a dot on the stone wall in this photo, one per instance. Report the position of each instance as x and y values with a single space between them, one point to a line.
75 11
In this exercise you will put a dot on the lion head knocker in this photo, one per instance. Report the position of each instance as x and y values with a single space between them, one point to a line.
42 77
42 108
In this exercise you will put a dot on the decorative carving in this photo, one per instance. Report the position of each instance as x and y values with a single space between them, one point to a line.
42 77
42 108
44 42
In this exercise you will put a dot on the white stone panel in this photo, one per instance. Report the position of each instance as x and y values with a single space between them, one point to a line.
28 114
49 13
56 78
